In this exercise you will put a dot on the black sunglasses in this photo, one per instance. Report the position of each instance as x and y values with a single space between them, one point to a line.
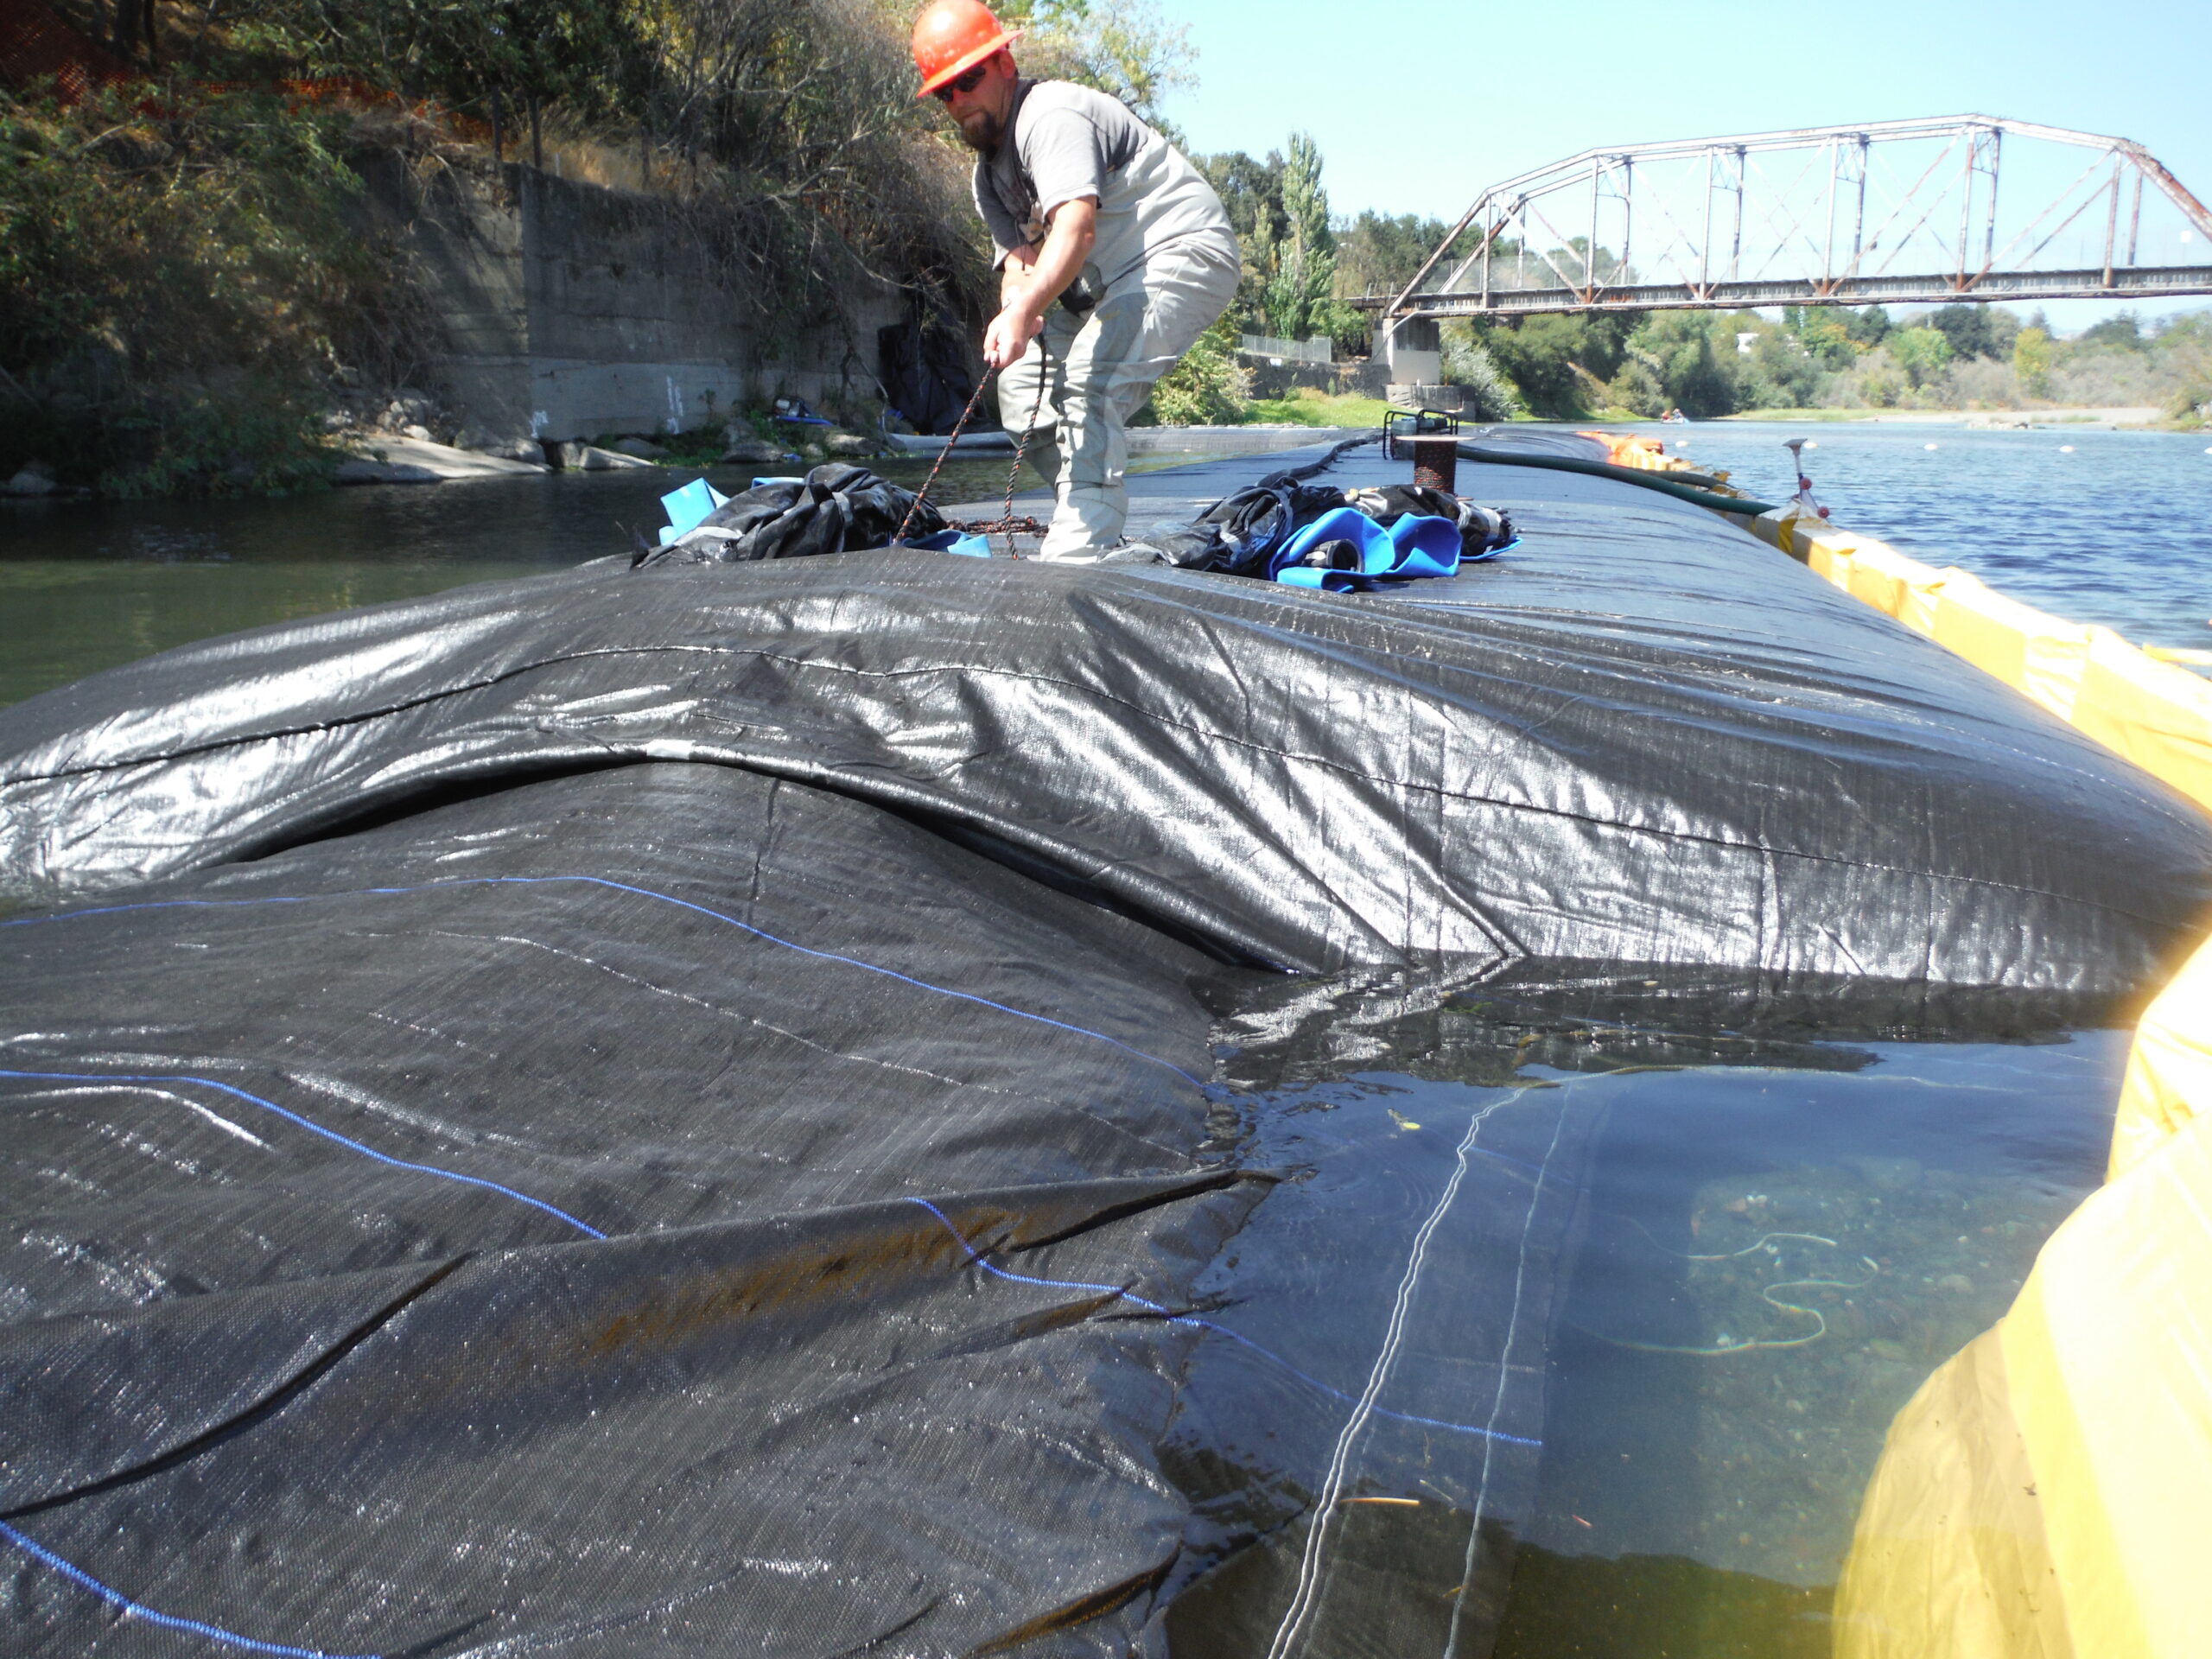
967 82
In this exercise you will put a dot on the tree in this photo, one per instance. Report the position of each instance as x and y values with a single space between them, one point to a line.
1379 254
1786 375
1825 335
1126 50
1281 214
1486 394
1698 378
1556 362
2123 331
1979 330
1304 274
1922 353
1868 325
2032 356
1207 386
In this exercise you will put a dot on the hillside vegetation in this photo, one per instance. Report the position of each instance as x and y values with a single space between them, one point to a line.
188 272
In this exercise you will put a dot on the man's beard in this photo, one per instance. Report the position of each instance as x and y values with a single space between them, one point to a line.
982 130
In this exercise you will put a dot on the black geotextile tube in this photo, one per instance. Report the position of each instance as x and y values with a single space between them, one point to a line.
1696 497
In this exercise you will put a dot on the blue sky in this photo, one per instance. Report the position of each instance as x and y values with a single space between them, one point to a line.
1418 104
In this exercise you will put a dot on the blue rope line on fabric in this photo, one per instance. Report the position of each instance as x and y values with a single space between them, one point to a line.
347 1141
975 1259
131 1609
643 893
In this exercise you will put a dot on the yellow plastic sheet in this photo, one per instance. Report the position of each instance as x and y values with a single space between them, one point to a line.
2170 1068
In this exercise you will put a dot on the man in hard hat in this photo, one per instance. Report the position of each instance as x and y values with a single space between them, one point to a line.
1091 209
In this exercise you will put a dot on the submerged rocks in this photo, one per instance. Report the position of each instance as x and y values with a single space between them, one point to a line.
753 450
589 458
479 441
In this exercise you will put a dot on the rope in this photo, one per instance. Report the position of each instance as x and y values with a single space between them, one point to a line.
1006 521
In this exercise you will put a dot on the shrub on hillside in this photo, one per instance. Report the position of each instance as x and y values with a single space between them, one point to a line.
179 271
1207 386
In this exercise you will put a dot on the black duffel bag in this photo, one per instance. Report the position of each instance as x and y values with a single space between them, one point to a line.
835 509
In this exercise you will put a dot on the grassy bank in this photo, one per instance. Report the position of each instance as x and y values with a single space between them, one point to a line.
1306 407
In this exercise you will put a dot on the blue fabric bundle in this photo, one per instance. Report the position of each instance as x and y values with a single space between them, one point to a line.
1346 551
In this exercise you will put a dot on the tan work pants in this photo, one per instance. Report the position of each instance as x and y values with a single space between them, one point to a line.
1096 368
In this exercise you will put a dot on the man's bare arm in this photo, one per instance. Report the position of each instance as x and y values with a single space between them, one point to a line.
1023 296
1016 275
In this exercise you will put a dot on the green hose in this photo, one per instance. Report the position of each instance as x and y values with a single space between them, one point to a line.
1658 482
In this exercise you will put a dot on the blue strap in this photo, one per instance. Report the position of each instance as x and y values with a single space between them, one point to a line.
953 541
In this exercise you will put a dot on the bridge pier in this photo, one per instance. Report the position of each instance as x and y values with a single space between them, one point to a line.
1411 351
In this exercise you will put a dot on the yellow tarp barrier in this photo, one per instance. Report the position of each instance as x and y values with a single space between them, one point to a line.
2168 1070
2048 1492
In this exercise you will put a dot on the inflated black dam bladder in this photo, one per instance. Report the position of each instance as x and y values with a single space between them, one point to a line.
562 1116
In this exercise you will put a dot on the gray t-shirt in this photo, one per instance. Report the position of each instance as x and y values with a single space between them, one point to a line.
1068 141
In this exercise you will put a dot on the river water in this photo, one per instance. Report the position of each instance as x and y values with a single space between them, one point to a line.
1767 1241
2107 527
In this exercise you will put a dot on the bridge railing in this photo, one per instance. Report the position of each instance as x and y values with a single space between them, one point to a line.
1290 351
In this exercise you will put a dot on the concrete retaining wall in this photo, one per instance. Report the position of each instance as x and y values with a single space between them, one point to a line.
569 310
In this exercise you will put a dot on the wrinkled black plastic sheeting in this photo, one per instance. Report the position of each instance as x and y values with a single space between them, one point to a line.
1642 737
834 509
261 1379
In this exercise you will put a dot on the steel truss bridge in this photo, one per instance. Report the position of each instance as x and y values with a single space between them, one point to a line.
1901 212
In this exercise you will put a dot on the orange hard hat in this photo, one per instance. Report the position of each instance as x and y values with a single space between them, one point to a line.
953 37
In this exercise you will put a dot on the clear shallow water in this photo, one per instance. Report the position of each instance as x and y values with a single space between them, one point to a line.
2118 532
1635 1290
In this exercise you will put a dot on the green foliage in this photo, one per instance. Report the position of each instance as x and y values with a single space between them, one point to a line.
1126 50
2032 356
1868 325
1637 390
2184 348
1281 214
1784 374
1558 363
587 54
1378 254
1921 353
1305 266
1975 330
1825 335
1307 406
1207 386
178 272
2123 331
1486 394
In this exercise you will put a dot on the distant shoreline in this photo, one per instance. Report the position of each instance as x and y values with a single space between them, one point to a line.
2013 418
